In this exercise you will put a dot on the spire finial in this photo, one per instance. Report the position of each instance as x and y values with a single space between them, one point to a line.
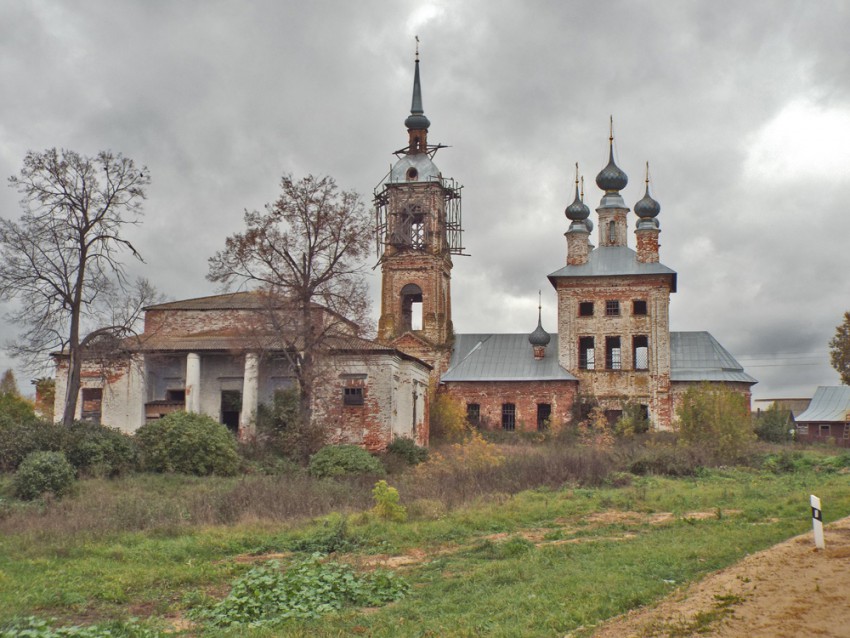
647 174
539 305
576 174
582 188
417 47
417 120
611 130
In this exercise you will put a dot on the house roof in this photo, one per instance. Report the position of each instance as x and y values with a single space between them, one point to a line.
830 403
697 356
613 261
244 300
502 357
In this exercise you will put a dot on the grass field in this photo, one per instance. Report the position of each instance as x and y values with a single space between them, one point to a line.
542 562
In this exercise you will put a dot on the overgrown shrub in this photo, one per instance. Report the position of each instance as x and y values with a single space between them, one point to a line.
406 449
774 425
187 444
338 460
281 431
97 450
716 420
307 589
447 418
43 472
332 536
634 420
387 505
21 433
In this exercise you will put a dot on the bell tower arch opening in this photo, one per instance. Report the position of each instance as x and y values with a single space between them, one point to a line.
411 308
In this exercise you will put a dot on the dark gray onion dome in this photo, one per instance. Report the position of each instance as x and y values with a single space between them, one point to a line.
647 208
589 223
539 337
578 210
417 120
611 178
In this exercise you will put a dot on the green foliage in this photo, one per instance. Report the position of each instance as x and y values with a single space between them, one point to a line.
774 425
387 504
45 397
22 433
405 448
32 627
634 420
716 420
332 536
447 418
187 444
43 472
97 450
338 460
15 407
308 589
839 350
281 429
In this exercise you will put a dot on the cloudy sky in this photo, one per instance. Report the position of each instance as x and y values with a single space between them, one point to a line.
742 110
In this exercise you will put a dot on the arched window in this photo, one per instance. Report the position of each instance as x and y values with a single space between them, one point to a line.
411 307
612 231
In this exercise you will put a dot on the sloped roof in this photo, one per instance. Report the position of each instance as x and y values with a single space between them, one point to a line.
613 261
502 357
244 300
697 356
830 403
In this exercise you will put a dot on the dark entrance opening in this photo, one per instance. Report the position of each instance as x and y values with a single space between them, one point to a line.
231 407
411 308
544 412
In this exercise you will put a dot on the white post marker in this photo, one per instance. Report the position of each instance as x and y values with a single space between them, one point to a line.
817 521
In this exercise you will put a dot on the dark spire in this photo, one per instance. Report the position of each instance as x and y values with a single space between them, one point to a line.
417 121
611 178
577 211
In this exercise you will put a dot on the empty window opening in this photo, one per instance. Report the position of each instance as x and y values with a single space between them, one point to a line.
175 396
613 359
352 396
473 414
641 352
612 416
411 308
508 417
412 173
612 308
417 232
92 404
585 309
586 353
544 412
231 406
639 307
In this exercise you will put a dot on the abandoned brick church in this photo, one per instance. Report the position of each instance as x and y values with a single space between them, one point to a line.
612 341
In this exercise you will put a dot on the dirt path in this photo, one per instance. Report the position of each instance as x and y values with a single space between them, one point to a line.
789 590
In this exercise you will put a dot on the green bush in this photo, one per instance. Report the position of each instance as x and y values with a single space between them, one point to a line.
634 420
187 444
337 460
332 536
407 450
774 425
42 472
281 431
97 450
22 434
716 420
387 503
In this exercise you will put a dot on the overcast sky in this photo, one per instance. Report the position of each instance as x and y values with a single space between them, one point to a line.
741 108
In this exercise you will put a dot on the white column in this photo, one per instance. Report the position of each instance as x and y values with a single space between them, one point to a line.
250 396
193 382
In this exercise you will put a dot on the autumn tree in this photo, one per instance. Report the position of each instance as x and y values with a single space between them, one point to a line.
305 252
9 384
61 261
839 350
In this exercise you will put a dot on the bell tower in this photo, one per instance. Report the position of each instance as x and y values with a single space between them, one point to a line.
418 215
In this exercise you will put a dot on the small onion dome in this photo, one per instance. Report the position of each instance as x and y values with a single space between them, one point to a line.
578 210
539 337
417 122
589 224
647 208
611 178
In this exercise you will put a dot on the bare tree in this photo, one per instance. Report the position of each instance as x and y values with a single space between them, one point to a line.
61 260
306 253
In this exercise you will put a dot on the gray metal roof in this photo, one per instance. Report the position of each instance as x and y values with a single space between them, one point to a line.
830 403
426 170
697 356
502 357
613 261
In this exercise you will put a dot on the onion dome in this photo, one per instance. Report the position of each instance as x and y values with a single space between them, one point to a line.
417 121
647 208
611 178
539 338
578 210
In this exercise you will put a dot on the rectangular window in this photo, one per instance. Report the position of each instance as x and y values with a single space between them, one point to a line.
544 411
803 430
473 413
639 307
175 396
612 308
508 417
586 357
640 348
352 396
92 402
613 360
824 429
585 309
